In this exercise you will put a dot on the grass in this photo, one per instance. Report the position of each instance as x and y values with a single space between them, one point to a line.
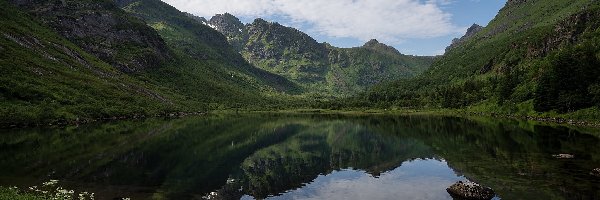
48 190
49 79
16 194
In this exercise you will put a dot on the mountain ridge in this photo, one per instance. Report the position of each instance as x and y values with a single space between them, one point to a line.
471 31
103 30
79 61
317 67
535 58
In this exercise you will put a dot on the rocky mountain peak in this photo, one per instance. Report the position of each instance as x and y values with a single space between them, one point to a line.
474 29
259 21
471 31
226 22
373 44
231 27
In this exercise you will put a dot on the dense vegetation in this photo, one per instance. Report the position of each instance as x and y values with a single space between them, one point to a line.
45 77
320 68
100 62
534 57
208 69
67 61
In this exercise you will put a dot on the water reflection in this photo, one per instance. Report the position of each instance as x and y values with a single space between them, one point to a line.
305 157
418 179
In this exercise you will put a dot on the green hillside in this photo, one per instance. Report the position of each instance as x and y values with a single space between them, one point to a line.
64 61
204 55
88 60
535 56
45 77
321 69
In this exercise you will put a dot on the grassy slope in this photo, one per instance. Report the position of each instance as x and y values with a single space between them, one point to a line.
499 69
102 29
205 59
46 77
324 70
365 67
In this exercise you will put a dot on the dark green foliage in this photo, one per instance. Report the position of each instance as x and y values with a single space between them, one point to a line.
16 194
568 82
594 90
506 86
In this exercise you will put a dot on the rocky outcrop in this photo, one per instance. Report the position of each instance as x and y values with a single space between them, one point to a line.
280 40
470 191
102 29
232 28
375 45
566 32
317 66
471 31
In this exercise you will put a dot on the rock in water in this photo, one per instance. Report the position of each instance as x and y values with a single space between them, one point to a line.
595 172
470 191
563 156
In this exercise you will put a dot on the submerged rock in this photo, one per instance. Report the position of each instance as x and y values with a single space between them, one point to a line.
470 191
595 172
564 156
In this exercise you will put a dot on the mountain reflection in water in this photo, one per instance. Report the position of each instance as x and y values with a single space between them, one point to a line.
305 157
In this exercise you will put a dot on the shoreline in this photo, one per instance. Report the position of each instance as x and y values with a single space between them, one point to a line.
356 112
446 112
65 123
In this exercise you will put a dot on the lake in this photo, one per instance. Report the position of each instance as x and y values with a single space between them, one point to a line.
276 156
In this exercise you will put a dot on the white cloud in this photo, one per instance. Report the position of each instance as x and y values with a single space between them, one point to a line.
390 21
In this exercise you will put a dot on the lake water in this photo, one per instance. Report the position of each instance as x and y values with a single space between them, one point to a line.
305 157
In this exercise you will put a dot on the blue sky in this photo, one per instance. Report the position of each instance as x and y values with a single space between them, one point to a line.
414 27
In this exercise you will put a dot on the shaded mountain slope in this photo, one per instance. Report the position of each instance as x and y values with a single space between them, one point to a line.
203 48
83 60
45 77
102 29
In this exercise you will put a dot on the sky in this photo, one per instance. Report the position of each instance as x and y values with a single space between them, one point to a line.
414 27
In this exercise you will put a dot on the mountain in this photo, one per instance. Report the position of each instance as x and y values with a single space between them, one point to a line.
67 61
471 31
103 30
232 28
534 56
320 68
203 49
47 76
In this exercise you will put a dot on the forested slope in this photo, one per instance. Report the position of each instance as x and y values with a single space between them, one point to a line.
535 56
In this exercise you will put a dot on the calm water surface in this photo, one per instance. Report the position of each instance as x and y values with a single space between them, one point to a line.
305 157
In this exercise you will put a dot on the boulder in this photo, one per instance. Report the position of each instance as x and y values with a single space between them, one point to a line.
595 172
564 156
470 191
